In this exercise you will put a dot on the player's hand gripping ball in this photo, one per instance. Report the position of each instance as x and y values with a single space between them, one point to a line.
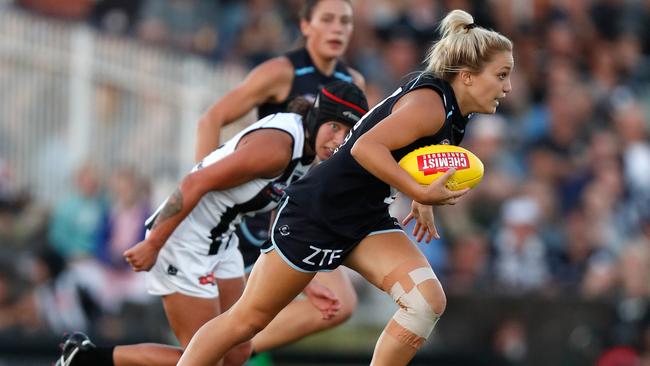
427 163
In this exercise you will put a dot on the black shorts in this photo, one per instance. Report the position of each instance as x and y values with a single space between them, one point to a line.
308 247
252 233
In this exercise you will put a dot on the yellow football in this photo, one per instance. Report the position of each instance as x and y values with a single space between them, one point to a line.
428 163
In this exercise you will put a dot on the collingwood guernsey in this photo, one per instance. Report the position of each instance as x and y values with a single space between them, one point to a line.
226 207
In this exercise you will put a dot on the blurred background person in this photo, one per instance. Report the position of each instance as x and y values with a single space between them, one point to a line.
77 216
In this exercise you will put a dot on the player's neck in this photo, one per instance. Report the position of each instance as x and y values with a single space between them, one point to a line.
324 65
463 99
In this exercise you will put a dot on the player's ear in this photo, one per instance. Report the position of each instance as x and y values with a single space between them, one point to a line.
466 77
305 28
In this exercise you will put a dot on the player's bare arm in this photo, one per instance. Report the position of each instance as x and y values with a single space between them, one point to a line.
269 82
246 163
417 114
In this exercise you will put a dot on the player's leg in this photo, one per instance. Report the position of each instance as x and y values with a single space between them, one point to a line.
271 286
185 314
210 281
230 290
183 322
300 318
144 354
393 263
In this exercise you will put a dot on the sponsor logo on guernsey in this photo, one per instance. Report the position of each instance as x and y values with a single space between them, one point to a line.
172 271
208 279
441 162
321 256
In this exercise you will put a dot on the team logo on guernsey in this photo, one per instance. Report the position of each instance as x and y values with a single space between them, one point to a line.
284 230
441 162
208 279
172 271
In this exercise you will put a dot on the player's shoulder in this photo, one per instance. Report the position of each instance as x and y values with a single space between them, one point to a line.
423 101
275 69
426 86
287 121
289 124
357 78
426 79
271 79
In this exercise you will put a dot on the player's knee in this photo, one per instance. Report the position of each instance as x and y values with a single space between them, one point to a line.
239 354
435 297
254 321
417 291
349 302
348 306
339 318
441 303
243 350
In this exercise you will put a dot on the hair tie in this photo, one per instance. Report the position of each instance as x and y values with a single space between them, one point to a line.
470 26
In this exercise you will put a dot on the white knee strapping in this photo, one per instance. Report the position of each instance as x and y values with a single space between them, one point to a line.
415 320
415 314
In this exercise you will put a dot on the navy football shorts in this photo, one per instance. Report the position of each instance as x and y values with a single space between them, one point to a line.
308 247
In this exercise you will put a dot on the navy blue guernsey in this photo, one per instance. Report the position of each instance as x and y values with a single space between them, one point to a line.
343 197
307 81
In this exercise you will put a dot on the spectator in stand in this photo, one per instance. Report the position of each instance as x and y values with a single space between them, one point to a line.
185 24
468 269
77 216
58 297
129 208
488 139
115 16
602 200
634 67
630 125
122 228
571 263
520 256
263 33
632 308
23 221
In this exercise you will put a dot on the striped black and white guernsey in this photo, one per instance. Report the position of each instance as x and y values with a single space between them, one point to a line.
341 196
210 225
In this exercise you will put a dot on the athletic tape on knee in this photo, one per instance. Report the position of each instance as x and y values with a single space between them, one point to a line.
414 321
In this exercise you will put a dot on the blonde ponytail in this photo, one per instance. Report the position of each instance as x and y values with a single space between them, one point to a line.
463 45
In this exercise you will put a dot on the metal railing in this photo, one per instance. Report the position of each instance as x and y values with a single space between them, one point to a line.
70 95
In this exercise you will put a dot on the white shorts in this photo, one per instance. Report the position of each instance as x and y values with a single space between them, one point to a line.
186 271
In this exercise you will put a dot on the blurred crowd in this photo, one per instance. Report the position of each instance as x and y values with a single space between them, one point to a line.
61 267
564 208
